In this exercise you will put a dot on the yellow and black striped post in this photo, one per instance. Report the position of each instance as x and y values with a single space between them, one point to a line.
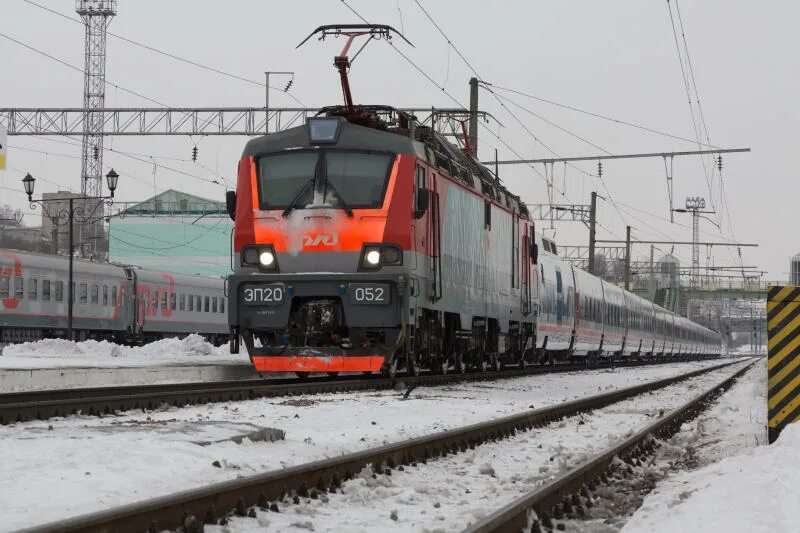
783 326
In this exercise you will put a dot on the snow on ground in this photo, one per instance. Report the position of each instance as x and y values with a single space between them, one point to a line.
87 464
741 484
450 493
60 353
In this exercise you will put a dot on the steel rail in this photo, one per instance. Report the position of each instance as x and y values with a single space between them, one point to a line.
41 405
569 489
189 509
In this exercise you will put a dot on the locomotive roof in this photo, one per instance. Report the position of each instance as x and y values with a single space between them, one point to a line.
395 136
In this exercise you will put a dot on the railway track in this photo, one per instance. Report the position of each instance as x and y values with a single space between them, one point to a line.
239 497
570 494
41 405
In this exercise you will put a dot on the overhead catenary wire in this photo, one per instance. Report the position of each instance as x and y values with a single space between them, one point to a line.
687 88
599 116
443 89
171 55
550 183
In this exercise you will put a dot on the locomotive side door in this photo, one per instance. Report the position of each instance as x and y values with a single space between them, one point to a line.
435 240
526 261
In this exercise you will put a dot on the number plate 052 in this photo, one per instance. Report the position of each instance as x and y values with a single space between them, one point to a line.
370 293
263 294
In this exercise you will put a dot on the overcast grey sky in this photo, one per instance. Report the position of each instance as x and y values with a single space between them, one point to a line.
616 58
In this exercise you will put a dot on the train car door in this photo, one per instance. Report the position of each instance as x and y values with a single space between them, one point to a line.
138 305
435 239
526 260
559 298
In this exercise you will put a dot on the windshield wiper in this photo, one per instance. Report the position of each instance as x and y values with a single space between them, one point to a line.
293 204
342 204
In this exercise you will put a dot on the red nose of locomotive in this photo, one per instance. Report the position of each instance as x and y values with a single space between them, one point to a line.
321 247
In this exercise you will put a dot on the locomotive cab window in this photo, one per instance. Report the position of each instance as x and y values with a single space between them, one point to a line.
345 178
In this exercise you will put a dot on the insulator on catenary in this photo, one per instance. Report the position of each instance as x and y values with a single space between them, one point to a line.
599 169
288 85
194 153
96 153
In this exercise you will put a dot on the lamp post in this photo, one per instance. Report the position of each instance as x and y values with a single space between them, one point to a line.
67 217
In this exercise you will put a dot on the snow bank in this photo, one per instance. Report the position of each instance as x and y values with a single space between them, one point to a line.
755 491
40 353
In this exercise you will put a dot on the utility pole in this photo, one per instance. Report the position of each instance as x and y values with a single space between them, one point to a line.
473 116
592 235
96 16
627 258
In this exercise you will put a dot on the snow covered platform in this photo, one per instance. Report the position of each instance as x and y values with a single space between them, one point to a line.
57 364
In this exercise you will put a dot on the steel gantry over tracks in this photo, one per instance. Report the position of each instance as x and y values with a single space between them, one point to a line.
188 121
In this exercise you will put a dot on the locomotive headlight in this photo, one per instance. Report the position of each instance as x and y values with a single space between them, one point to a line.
376 256
261 256
266 258
373 257
370 257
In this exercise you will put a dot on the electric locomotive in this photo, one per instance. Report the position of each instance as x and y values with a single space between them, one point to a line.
365 241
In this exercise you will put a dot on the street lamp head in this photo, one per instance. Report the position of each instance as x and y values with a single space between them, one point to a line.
29 181
112 178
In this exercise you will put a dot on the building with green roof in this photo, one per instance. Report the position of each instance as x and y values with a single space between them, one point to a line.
174 232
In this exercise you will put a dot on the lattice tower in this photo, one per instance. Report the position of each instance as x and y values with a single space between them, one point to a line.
96 16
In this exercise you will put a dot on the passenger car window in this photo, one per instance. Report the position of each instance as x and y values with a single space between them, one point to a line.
19 291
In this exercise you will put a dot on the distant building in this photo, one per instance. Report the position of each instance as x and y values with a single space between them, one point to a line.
173 232
55 223
23 238
794 270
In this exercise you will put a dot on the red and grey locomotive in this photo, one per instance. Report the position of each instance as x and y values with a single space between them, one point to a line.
365 241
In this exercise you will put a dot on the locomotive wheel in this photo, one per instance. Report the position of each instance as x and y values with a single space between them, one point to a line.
522 362
460 367
411 366
388 370
497 364
444 365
